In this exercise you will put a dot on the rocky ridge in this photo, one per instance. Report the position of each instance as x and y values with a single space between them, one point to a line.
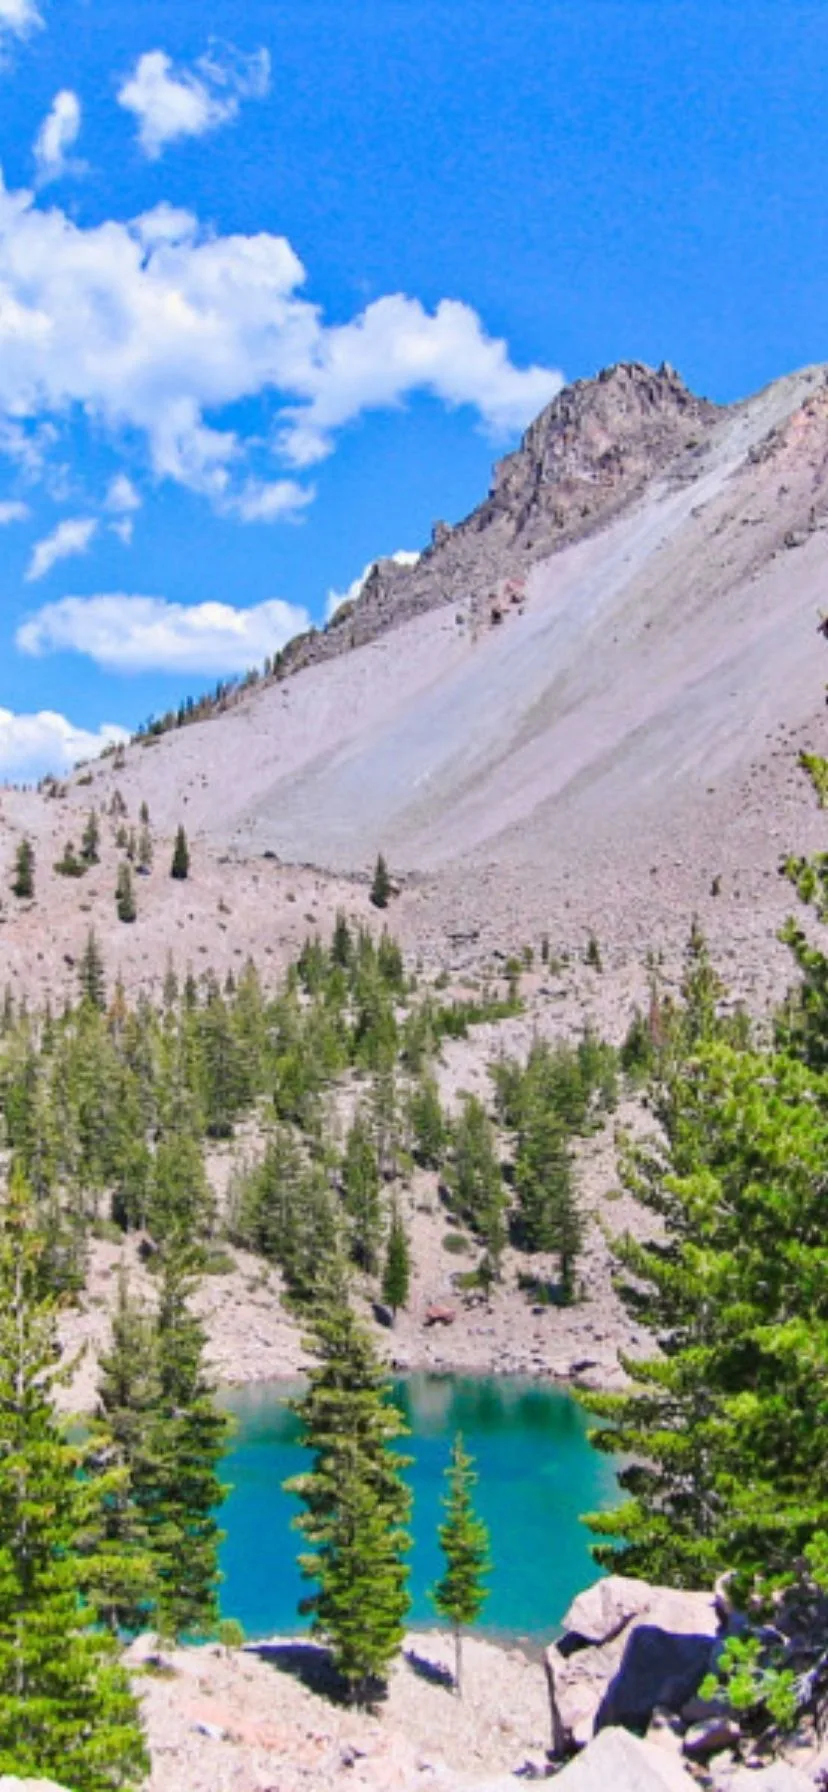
587 456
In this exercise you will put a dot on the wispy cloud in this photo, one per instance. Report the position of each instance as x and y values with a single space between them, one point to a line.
170 103
18 18
73 536
125 633
13 511
57 136
122 497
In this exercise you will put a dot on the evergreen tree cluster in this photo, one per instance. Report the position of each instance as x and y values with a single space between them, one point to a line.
561 1092
109 1108
723 1428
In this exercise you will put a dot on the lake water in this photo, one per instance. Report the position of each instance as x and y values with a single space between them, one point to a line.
537 1474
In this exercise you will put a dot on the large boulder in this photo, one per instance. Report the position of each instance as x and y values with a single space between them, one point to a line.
627 1647
657 1667
619 1762
603 1610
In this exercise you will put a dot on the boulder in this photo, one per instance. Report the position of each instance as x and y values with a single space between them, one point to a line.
577 1686
627 1648
710 1736
657 1667
605 1609
619 1762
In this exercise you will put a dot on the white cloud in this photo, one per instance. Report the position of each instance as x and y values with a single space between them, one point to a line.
58 134
156 327
72 536
12 511
122 496
259 502
335 599
18 17
124 528
122 633
32 745
170 103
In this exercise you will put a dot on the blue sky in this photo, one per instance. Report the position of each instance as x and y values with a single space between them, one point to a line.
279 281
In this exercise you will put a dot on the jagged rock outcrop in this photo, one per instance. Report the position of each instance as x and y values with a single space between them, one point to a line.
587 455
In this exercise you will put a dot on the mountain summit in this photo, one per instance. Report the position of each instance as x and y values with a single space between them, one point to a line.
587 455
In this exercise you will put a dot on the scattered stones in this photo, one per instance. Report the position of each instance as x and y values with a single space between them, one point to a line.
703 1740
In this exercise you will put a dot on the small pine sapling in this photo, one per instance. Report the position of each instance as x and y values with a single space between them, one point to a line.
91 840
180 867
381 886
24 870
396 1276
125 895
464 1540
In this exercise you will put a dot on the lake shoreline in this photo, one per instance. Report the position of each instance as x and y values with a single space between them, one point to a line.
266 1719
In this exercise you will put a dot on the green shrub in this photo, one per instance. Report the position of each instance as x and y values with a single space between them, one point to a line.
457 1243
218 1262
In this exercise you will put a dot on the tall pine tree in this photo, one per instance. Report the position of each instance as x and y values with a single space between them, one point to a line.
356 1503
66 1708
464 1539
181 1489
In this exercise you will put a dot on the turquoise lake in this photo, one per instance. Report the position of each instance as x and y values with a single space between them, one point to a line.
537 1474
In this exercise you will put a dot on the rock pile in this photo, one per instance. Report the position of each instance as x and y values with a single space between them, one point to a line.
624 1682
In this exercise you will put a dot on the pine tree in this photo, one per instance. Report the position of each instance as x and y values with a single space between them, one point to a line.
396 1277
24 871
179 1491
381 885
128 1398
361 1194
548 1215
342 944
144 851
464 1539
91 840
125 895
722 1427
181 1204
356 1503
180 867
69 865
66 1708
427 1122
477 1183
91 973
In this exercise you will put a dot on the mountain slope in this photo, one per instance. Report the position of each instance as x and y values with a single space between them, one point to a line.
634 668
607 741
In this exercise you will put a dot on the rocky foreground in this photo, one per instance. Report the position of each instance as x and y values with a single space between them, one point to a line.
614 1706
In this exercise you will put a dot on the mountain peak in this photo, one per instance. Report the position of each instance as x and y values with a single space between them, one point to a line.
591 451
